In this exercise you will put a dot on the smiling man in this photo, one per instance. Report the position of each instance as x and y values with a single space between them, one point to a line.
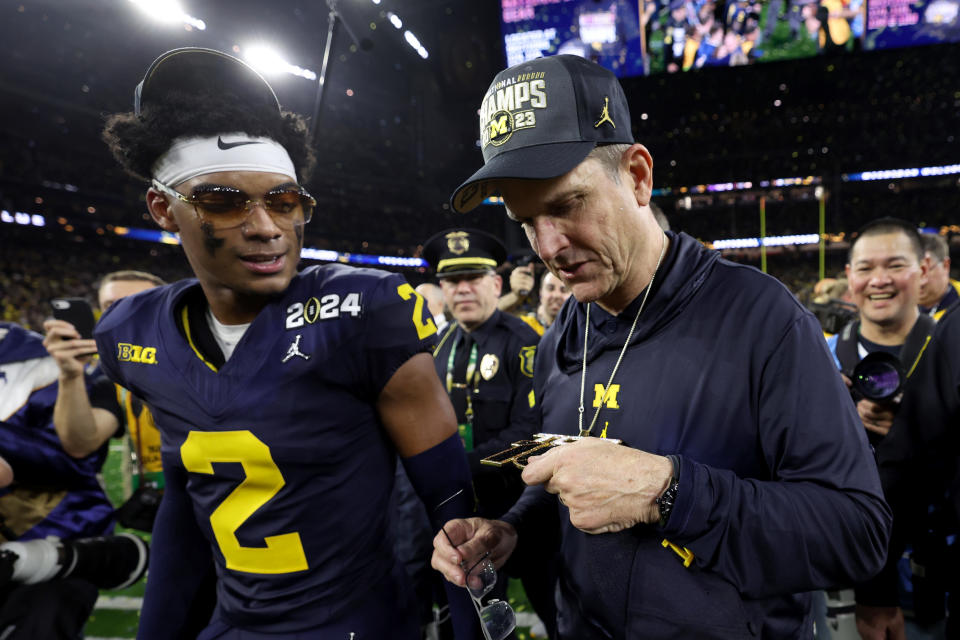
885 269
553 293
283 396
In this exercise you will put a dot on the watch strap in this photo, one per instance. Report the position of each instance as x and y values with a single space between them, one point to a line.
668 497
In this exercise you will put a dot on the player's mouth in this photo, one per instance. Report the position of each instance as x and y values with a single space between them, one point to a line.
265 263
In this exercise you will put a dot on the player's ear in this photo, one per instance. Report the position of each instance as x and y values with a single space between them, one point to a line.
159 207
639 165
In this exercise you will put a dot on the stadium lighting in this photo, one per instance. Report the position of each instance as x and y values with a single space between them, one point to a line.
896 174
168 11
269 62
394 19
415 43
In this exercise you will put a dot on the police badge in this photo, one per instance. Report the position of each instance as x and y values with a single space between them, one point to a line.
489 365
458 242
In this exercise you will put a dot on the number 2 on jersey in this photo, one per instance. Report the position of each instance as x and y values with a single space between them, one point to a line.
283 553
424 329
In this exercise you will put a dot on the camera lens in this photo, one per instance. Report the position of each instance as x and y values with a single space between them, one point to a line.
878 376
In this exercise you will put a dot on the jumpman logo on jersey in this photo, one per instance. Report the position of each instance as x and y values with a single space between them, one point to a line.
605 114
294 350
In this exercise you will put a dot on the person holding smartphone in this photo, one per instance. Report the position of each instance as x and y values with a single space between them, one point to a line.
86 413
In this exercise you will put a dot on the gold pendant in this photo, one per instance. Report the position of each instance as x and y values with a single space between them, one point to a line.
519 452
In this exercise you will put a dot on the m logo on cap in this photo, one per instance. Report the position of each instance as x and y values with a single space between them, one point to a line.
605 114
458 242
501 127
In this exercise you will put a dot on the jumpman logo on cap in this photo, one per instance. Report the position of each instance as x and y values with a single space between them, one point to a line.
294 350
605 114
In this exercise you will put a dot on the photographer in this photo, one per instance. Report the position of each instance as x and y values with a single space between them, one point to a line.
877 354
523 279
885 271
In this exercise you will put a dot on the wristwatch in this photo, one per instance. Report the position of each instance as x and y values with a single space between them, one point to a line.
667 498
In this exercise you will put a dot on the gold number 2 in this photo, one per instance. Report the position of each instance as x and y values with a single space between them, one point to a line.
283 553
424 329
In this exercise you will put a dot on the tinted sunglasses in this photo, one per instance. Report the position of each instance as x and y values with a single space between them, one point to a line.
226 207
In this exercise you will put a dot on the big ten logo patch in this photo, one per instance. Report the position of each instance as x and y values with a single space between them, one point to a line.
509 106
127 352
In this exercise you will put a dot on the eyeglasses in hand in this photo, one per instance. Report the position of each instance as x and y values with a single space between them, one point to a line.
497 618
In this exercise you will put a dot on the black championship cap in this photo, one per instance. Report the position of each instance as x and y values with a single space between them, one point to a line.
198 70
456 252
540 119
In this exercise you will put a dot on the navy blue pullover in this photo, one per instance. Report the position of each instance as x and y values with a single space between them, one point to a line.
778 490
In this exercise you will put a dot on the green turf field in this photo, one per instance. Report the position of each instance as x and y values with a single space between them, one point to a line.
117 612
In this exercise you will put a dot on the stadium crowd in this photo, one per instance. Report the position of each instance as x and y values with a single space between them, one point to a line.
389 408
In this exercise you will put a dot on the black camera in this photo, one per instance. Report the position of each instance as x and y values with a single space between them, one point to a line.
878 377
834 315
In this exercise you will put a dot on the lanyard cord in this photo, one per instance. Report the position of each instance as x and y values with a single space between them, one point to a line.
586 334
471 377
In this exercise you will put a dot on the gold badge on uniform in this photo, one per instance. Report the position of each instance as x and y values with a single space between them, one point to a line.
458 242
489 365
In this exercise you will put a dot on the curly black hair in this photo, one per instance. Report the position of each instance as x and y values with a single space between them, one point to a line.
138 141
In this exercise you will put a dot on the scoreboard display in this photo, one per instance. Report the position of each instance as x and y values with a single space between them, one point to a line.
642 37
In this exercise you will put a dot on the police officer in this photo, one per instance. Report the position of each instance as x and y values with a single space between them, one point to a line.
484 360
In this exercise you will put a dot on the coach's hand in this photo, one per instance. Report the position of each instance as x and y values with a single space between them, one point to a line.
471 539
606 486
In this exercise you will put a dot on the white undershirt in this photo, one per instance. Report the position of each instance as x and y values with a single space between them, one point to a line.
226 335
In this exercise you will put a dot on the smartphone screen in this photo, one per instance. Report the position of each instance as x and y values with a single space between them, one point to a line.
77 312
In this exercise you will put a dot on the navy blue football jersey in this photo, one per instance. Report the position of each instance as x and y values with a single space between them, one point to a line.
290 470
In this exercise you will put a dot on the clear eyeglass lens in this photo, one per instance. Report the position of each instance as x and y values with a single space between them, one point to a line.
498 619
481 579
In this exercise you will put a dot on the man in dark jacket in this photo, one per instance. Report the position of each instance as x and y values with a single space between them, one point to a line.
746 480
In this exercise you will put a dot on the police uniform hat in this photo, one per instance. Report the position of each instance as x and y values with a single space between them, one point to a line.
197 70
456 252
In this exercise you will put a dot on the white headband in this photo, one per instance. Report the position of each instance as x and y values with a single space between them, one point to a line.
191 157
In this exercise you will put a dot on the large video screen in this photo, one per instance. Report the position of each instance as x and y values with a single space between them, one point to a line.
641 37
